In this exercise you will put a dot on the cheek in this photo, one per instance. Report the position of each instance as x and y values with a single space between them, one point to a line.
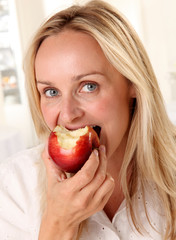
49 115
99 110
101 107
116 113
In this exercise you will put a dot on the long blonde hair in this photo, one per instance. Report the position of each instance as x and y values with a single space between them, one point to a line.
151 146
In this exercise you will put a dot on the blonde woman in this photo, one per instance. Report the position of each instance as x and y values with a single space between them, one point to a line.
87 66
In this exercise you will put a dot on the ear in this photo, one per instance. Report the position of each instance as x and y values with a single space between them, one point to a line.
132 96
132 91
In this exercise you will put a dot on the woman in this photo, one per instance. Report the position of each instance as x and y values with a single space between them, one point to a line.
86 66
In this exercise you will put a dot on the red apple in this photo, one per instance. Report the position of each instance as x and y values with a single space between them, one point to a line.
70 149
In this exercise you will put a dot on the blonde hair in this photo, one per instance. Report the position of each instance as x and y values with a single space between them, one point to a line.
151 146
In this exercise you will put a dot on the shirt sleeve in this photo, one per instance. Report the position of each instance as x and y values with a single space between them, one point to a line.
17 187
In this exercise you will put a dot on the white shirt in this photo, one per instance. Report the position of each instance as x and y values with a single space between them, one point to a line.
20 206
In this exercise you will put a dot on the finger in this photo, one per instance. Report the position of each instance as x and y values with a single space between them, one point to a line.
54 173
99 175
103 193
87 172
101 196
104 200
102 169
88 191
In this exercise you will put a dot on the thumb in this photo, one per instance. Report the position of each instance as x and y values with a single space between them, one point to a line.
54 173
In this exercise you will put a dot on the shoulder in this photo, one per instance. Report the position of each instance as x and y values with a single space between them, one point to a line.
21 170
147 210
19 177
29 153
21 163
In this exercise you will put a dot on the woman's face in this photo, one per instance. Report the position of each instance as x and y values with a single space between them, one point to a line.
79 87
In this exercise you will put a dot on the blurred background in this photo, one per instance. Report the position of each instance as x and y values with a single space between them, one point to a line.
154 20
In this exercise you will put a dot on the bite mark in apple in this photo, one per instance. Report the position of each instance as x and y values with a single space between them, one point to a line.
70 149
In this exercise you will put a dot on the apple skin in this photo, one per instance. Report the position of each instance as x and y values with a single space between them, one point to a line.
71 160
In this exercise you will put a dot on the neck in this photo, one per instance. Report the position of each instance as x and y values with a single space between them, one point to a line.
114 167
117 196
114 201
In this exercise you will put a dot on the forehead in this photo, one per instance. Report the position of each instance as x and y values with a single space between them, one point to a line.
69 45
70 54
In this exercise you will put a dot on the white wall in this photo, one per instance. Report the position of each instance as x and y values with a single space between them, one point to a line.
52 6
155 22
30 14
2 116
26 17
155 40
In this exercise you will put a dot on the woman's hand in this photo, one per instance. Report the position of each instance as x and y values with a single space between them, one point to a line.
72 200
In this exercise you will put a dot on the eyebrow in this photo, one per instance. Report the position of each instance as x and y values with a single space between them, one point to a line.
75 78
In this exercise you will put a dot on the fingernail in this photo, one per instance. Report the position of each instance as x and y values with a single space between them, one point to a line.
61 178
110 177
102 148
95 152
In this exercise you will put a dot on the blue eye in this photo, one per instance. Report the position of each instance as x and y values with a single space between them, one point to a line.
51 93
89 87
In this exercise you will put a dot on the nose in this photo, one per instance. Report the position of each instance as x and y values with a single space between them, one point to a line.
70 111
